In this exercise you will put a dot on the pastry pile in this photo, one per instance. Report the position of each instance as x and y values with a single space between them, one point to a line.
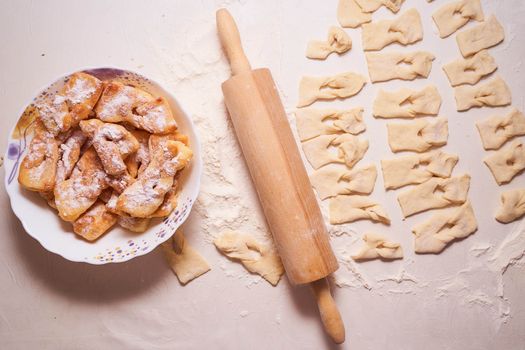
105 153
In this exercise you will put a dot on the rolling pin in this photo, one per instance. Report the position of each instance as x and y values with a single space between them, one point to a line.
279 176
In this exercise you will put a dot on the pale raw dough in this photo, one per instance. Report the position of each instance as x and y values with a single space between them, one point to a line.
455 15
398 65
312 122
493 93
256 257
482 36
433 194
185 262
338 41
497 130
507 162
407 103
350 15
416 169
350 150
345 209
433 235
417 136
328 88
405 29
470 70
378 247
373 5
512 206
332 180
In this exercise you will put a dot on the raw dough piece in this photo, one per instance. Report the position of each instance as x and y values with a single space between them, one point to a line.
496 130
332 180
455 15
369 6
417 136
94 222
407 103
328 88
433 194
350 150
482 36
405 29
345 209
399 65
512 206
433 235
112 142
493 93
507 162
416 169
338 41
38 169
350 15
311 122
470 70
185 262
377 247
254 256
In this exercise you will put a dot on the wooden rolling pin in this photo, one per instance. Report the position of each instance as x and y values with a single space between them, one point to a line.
278 173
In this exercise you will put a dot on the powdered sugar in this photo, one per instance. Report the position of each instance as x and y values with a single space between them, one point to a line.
81 91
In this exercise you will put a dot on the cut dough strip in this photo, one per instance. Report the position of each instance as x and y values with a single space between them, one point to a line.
482 36
497 130
345 209
186 263
407 103
433 235
351 149
399 65
507 162
350 15
341 85
406 29
416 169
433 194
311 122
417 136
254 256
338 41
512 206
369 6
493 93
378 247
455 15
333 180
470 70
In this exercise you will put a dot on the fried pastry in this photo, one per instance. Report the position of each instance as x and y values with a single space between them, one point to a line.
122 103
137 225
39 167
112 142
138 161
146 195
94 222
169 204
71 104
69 155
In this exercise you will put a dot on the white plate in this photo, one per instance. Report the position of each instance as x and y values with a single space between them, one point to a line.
118 245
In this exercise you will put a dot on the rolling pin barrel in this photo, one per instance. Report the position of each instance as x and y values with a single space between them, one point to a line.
279 176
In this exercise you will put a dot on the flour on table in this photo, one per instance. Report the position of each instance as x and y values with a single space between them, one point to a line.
405 29
455 15
338 41
417 136
398 65
470 70
407 103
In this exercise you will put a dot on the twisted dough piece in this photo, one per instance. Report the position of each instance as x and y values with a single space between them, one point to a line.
407 103
512 206
493 93
470 70
338 41
341 85
455 15
417 136
330 181
399 65
482 36
312 122
507 162
345 209
497 130
350 150
378 247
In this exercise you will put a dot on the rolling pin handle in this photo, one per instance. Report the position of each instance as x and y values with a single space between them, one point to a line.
330 315
231 42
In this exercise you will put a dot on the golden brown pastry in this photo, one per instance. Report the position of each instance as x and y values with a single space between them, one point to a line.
39 167
122 103
138 161
94 222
